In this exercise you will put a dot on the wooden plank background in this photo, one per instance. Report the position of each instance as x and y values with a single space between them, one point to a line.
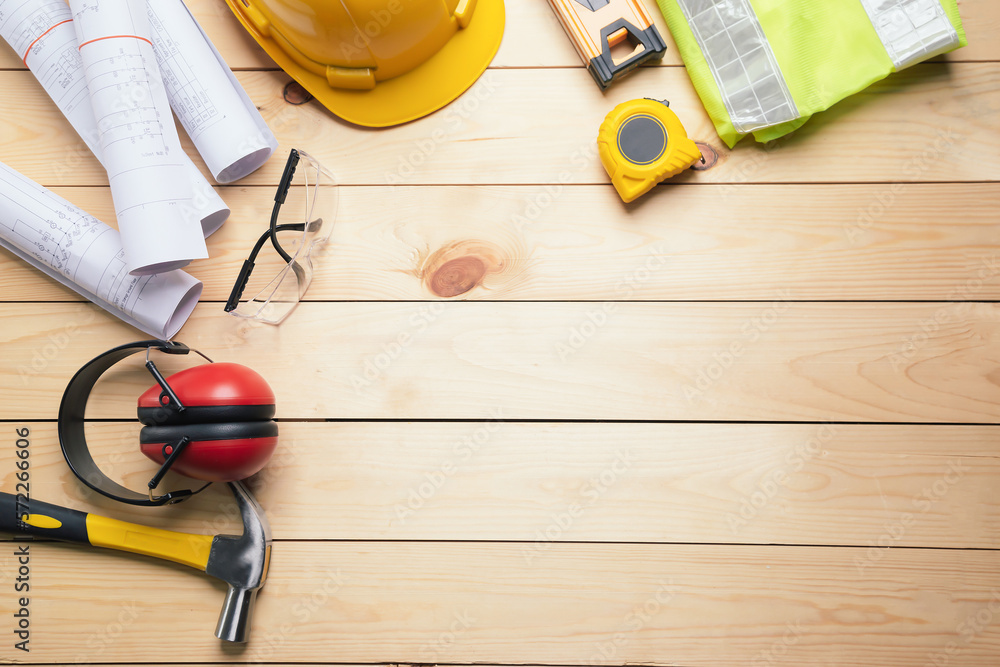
702 483
930 123
731 243
770 389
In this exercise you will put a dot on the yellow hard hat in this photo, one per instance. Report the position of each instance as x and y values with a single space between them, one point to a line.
378 62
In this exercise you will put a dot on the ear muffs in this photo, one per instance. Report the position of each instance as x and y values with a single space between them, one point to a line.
211 422
217 452
219 392
226 418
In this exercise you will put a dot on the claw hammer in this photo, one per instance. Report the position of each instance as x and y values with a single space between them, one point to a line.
239 560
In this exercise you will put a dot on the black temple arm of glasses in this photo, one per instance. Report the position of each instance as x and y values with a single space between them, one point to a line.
272 233
286 177
248 264
279 199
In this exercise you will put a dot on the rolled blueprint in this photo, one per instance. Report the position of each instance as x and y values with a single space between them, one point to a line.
138 139
219 116
86 255
41 32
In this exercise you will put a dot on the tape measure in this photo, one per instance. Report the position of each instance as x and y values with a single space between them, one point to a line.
642 143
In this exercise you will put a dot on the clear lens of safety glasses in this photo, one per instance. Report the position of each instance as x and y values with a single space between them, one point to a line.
304 210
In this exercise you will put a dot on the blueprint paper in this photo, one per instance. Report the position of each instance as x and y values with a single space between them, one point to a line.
222 121
138 141
41 32
86 255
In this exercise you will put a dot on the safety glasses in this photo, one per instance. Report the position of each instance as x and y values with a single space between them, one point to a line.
304 209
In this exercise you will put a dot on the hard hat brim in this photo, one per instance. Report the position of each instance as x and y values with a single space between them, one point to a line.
423 90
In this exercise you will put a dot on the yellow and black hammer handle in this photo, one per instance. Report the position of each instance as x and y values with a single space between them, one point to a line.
34 517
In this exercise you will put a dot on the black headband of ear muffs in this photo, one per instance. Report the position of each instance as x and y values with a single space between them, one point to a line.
72 437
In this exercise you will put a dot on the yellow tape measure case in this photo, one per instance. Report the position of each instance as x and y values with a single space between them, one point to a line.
641 143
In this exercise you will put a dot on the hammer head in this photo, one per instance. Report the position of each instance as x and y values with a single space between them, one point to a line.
241 561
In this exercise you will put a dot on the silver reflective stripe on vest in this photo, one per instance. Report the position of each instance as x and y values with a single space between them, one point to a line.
911 30
752 86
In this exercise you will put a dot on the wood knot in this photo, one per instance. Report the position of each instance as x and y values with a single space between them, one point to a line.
461 266
709 157
457 276
295 94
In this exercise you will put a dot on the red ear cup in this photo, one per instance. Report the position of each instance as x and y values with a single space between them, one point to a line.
227 418
217 452
220 392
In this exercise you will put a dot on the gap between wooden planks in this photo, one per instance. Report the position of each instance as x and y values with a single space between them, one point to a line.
392 602
776 361
831 484
534 38
931 123
717 243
